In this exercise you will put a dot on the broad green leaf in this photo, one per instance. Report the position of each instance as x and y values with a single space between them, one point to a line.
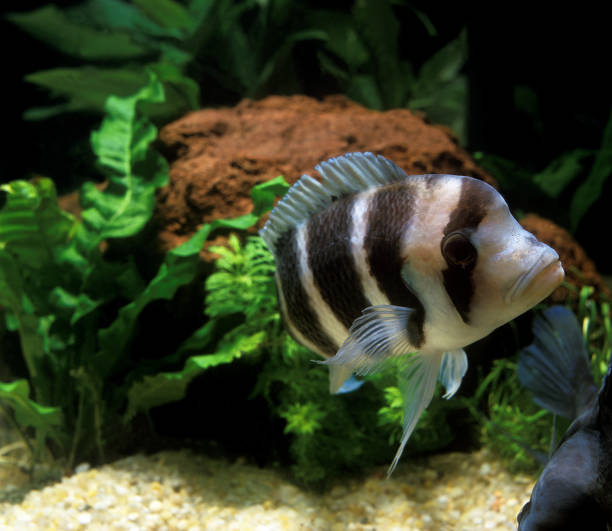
80 305
561 171
121 145
590 190
32 226
380 30
87 88
52 26
27 412
443 67
365 90
341 37
167 387
134 20
167 13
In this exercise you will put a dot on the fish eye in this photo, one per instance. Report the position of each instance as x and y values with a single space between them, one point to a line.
458 250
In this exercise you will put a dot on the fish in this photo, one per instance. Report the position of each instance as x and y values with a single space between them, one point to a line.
555 367
374 264
574 491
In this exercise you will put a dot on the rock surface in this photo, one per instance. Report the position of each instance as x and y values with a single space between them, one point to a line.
218 155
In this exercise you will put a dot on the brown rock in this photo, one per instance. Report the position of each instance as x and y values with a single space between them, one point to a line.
220 154
580 270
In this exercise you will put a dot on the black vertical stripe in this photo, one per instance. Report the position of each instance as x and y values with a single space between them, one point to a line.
389 216
330 258
299 310
472 207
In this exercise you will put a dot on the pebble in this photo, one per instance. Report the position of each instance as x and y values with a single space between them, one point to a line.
179 490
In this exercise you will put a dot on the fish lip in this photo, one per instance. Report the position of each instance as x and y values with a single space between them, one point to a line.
524 281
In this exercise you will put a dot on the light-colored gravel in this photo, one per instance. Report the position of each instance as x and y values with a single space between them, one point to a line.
179 490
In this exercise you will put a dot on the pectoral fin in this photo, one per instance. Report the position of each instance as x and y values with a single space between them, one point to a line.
381 332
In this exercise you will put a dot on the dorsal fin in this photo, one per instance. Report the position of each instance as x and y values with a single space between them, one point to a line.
340 176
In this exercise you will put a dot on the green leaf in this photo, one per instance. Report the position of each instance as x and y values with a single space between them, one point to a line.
87 88
341 37
167 387
134 20
167 13
27 412
590 190
135 172
53 27
561 171
32 226
379 28
79 305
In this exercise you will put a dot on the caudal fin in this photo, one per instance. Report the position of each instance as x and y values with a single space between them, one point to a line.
555 367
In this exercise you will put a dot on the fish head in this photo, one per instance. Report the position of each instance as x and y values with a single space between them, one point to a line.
512 271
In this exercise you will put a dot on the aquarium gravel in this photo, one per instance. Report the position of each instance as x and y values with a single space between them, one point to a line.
177 490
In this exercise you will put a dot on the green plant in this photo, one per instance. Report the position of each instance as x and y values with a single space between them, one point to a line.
593 312
514 426
241 47
76 311
547 185
361 51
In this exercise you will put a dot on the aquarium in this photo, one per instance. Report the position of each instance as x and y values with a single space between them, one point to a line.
281 265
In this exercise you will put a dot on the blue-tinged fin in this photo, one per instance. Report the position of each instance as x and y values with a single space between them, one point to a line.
555 367
452 370
350 385
340 176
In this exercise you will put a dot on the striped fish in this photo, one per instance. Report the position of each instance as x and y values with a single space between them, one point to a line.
372 263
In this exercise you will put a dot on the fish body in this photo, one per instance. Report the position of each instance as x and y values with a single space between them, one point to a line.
574 491
373 263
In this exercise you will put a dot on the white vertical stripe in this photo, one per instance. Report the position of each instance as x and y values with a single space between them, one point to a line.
443 327
289 323
328 321
369 284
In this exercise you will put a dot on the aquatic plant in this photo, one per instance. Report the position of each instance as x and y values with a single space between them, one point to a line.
548 184
76 311
239 49
512 424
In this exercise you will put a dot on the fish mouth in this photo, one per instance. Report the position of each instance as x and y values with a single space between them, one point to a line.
544 275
